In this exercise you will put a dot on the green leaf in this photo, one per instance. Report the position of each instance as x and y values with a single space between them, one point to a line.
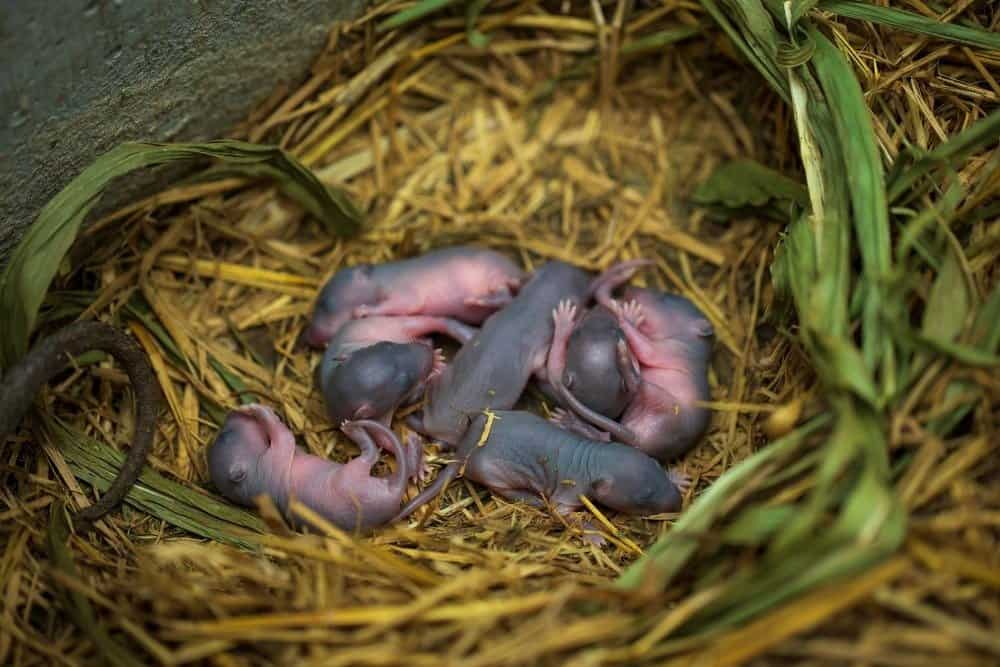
949 301
37 258
751 29
476 39
756 525
957 149
745 184
665 559
985 336
178 505
866 189
966 354
411 14
921 25
657 40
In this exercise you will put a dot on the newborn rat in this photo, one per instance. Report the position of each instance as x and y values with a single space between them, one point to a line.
672 341
376 364
492 369
521 456
463 282
255 454
48 357
593 361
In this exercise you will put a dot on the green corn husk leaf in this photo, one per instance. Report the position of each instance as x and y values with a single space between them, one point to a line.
750 28
911 168
915 23
940 213
949 302
866 188
657 40
966 354
37 258
180 506
745 184
411 14
665 559
75 602
985 336
476 39
756 525
823 537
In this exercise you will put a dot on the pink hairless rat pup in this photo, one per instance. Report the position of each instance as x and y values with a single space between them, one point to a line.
672 341
255 454
462 282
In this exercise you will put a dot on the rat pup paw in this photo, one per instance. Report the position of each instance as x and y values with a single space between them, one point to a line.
630 312
439 364
680 479
564 314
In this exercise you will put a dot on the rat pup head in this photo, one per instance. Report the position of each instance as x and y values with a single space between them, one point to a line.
234 459
373 381
345 291
600 369
635 484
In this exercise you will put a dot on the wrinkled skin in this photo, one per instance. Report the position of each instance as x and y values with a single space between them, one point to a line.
526 458
462 282
377 364
255 454
672 341
598 367
493 369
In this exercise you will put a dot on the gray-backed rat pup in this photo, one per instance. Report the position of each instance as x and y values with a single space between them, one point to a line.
377 364
463 282
255 454
672 341
492 369
521 456
594 362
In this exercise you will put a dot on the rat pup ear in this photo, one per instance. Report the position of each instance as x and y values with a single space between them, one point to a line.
601 486
704 328
237 473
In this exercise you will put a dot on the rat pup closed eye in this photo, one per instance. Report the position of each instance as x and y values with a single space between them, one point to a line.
255 454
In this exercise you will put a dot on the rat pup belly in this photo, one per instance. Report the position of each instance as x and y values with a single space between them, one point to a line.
255 454
463 282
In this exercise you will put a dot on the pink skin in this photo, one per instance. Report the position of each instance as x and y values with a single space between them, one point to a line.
360 333
255 454
671 341
463 282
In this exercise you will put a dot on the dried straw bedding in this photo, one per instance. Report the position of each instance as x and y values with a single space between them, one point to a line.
441 142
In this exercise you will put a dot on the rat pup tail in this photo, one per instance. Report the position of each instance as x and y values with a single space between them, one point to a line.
51 355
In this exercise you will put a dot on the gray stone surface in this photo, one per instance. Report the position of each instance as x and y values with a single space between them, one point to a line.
79 77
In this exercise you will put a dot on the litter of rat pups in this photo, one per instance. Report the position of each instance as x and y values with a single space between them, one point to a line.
628 375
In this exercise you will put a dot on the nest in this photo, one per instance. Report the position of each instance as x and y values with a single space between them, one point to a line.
581 135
